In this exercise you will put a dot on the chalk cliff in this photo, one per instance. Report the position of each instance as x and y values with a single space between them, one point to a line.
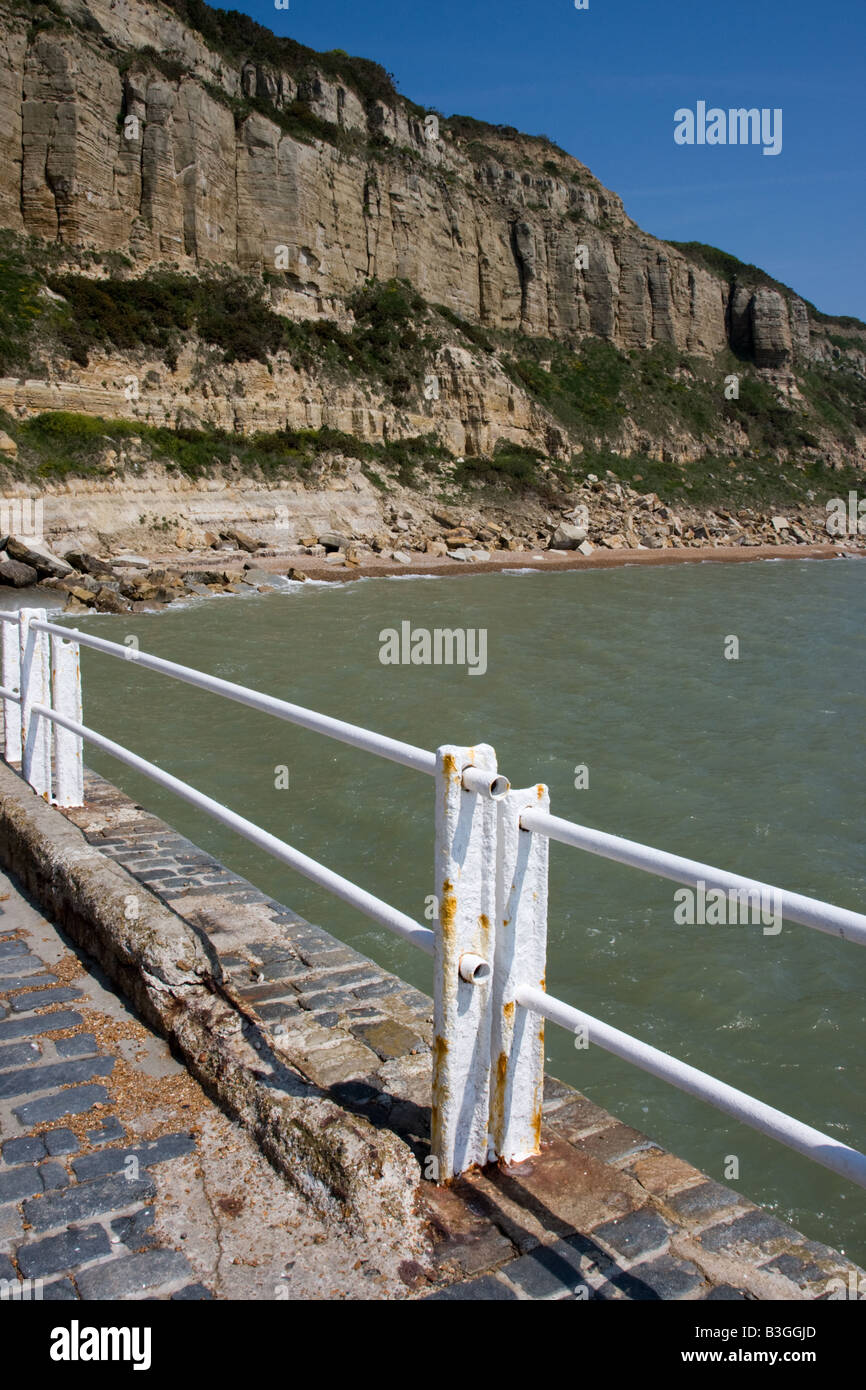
487 223
170 136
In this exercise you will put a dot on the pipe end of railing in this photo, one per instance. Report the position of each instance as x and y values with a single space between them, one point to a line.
474 969
475 779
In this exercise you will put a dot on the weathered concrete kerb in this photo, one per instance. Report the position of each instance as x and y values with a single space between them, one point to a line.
175 978
325 1059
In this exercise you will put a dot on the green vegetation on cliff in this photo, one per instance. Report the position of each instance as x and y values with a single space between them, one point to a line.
163 310
238 36
61 444
602 402
666 392
729 268
20 308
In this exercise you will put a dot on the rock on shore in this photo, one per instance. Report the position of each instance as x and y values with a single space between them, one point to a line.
409 528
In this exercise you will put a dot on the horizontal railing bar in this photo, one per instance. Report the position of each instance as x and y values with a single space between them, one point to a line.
371 906
9 618
394 749
9 695
809 912
821 1148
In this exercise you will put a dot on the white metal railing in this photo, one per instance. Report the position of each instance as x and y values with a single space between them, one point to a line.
371 906
491 872
794 907
389 748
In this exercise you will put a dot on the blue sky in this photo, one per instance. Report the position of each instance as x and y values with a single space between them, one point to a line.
604 84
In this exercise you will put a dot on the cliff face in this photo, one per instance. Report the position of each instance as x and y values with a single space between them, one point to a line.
123 131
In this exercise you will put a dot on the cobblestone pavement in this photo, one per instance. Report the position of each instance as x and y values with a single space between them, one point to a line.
119 1178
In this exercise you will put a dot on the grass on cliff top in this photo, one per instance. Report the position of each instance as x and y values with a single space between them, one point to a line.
238 36
242 39
729 268
477 133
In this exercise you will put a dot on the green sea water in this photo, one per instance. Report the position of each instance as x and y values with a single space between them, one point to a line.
754 765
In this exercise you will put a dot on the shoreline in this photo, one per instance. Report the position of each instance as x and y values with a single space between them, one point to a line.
439 567
428 567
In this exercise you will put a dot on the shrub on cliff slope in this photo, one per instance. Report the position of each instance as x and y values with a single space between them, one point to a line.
20 307
582 389
510 466
125 314
386 335
599 394
60 444
57 445
233 317
759 481
161 310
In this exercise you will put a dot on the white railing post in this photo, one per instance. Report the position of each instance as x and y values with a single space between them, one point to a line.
465 882
11 638
517 1086
35 687
66 699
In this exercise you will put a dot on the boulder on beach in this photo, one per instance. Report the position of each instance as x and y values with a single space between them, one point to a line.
81 595
17 574
203 577
78 581
446 516
107 601
45 564
567 536
87 564
133 562
333 540
241 539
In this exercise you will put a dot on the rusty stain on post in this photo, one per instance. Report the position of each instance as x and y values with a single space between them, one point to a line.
439 1096
448 909
497 1096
